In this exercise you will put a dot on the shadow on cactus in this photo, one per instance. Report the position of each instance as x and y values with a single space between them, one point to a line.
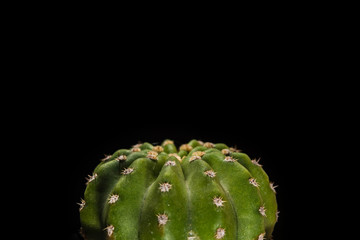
199 191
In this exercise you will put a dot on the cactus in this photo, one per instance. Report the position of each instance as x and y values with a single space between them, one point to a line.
201 191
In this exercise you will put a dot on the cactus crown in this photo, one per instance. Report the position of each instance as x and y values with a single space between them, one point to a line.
201 191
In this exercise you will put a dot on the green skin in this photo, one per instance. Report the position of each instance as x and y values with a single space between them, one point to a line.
189 205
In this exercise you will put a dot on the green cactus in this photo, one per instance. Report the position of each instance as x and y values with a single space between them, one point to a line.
203 191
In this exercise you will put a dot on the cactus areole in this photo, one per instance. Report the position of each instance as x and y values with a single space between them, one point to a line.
200 191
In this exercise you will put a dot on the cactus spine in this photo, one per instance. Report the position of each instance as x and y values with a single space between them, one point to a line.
203 191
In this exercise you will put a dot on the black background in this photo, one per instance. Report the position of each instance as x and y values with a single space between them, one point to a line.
84 129
92 99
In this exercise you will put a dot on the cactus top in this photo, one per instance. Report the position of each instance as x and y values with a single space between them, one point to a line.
201 191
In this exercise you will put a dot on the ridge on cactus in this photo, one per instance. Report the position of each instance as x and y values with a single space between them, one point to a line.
202 191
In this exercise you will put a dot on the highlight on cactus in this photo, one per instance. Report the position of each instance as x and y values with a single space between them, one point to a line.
199 191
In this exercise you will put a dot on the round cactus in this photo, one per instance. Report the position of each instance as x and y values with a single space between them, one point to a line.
201 191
